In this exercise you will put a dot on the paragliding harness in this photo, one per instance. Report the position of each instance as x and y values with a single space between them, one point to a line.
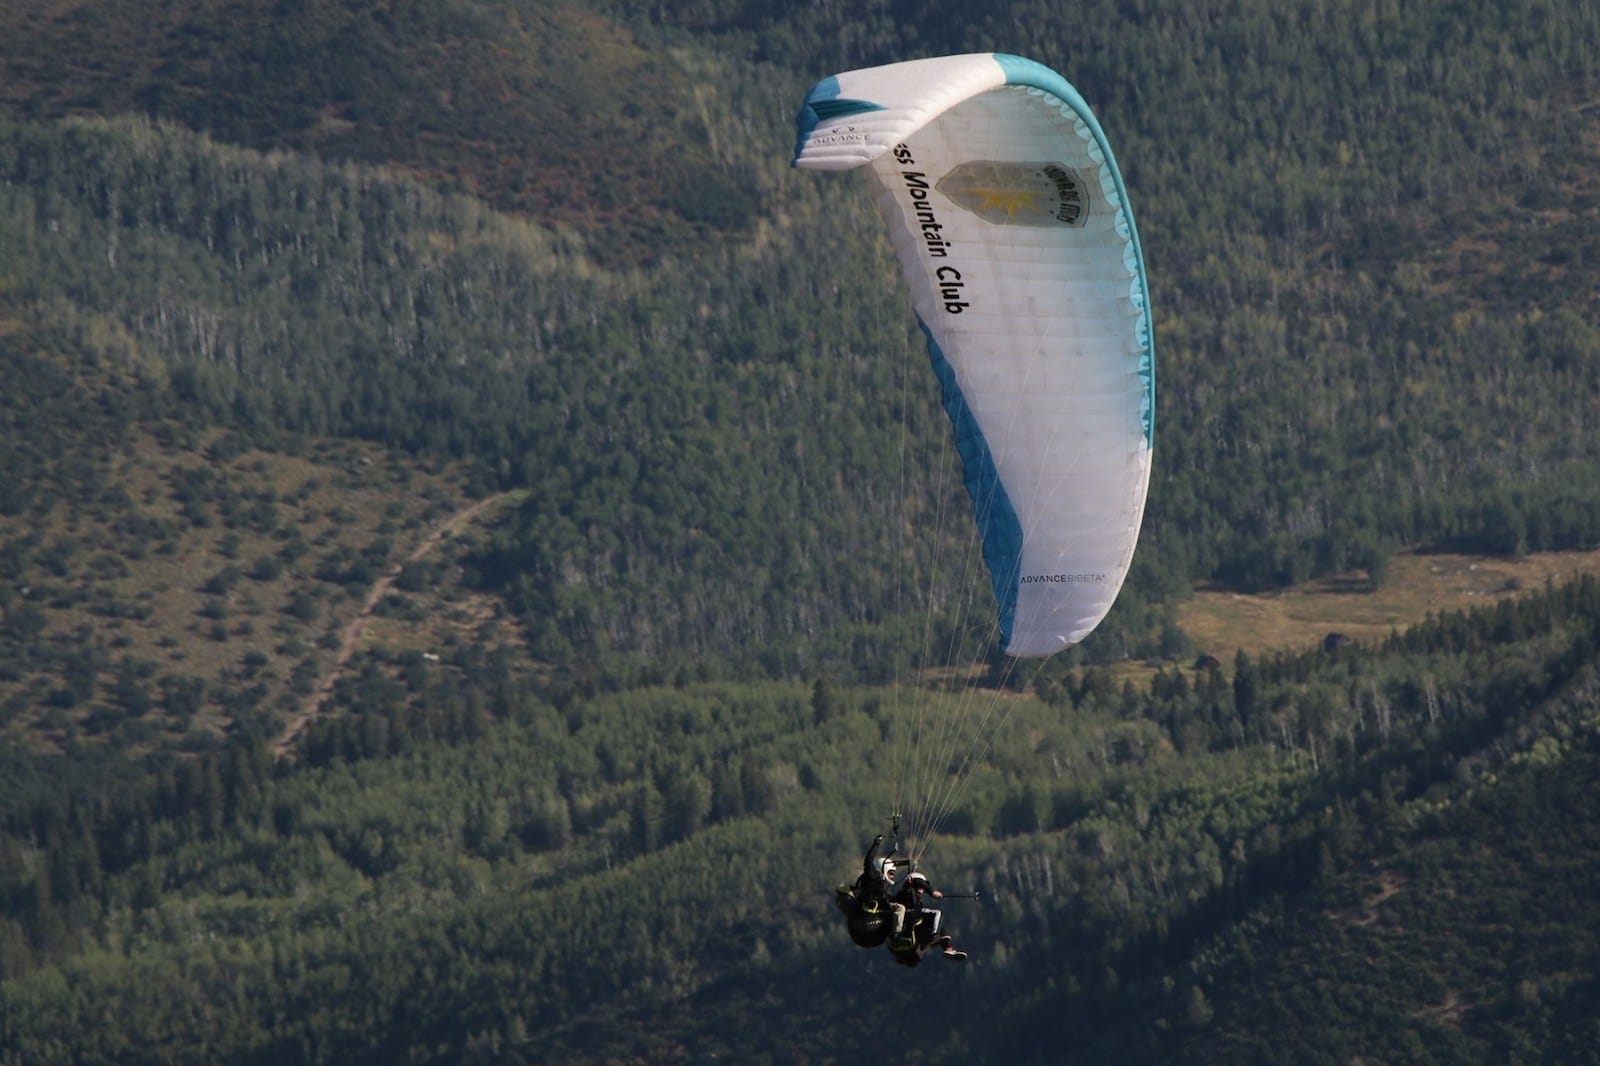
908 945
865 904
866 917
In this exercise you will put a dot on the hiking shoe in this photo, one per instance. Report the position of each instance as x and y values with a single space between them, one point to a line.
954 953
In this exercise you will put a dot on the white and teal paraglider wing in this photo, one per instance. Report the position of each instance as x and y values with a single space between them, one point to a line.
1010 219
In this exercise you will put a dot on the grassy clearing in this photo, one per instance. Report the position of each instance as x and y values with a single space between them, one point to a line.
1417 585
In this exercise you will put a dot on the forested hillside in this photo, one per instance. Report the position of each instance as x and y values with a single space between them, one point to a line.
452 471
1386 851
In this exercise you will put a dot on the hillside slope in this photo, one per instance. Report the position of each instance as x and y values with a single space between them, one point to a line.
544 108
286 290
1474 941
1384 866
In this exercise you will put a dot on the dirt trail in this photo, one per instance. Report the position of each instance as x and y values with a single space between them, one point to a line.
353 630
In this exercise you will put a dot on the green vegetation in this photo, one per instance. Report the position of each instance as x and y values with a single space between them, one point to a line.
286 291
503 878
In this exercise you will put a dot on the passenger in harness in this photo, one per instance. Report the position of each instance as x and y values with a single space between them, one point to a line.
917 927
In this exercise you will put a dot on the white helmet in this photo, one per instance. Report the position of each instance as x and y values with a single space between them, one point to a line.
917 877
885 867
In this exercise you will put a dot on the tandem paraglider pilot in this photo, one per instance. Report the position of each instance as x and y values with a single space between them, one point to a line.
876 912
866 902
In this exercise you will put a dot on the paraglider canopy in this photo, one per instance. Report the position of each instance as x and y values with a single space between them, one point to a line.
1012 226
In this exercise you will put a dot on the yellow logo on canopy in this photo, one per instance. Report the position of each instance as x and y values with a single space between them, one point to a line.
1019 194
1008 201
